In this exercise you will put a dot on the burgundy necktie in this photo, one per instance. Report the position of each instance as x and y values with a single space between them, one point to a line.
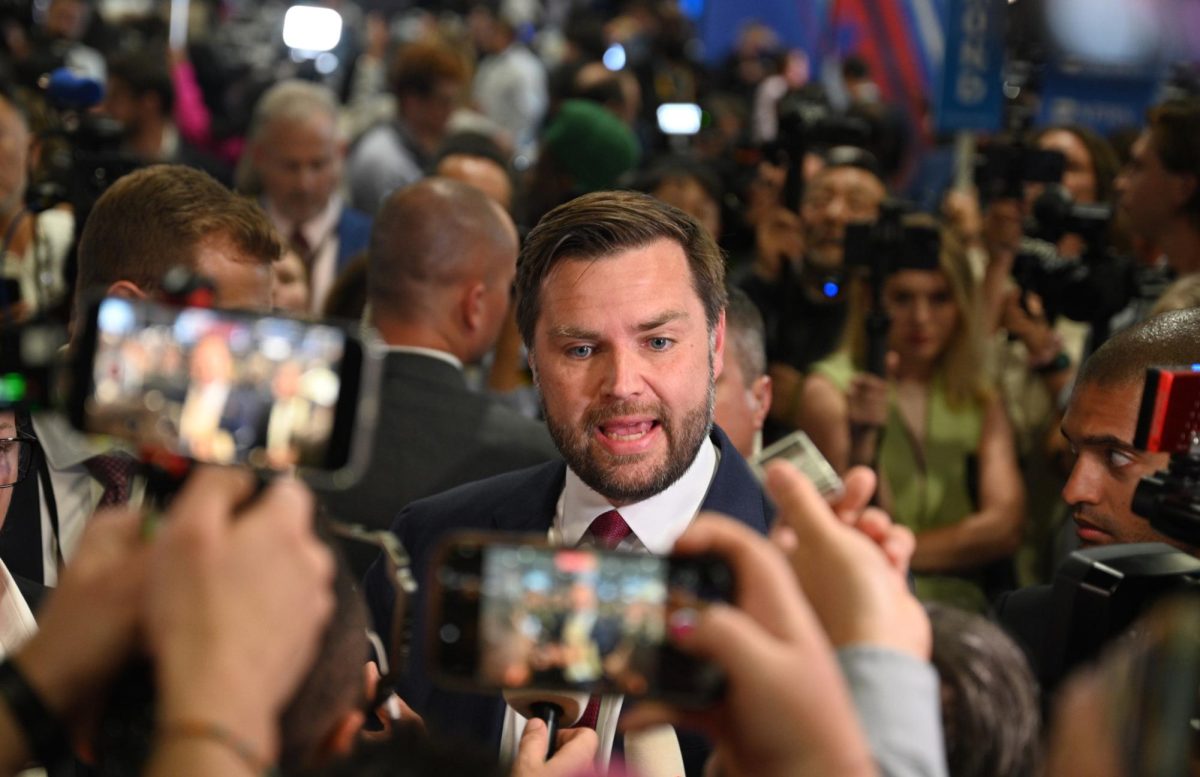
608 529
299 243
114 471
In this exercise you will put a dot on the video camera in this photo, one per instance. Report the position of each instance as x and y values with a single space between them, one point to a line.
808 123
880 248
1099 592
1169 422
84 155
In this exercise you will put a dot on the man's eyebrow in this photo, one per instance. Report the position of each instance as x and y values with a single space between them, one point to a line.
1100 440
662 320
566 331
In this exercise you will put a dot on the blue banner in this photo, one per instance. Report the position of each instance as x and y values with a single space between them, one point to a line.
970 96
1101 101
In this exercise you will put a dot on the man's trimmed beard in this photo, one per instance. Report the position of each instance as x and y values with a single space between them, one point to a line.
614 476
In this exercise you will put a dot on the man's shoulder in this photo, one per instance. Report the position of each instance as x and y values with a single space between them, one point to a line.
734 490
353 219
521 500
1027 615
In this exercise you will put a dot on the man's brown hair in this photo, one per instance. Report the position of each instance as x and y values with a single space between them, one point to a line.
600 224
154 219
1174 129
419 67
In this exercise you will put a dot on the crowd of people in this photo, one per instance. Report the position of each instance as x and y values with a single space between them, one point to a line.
587 332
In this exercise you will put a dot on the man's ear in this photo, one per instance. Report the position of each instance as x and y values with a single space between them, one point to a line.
760 389
718 345
1186 190
341 737
126 290
473 305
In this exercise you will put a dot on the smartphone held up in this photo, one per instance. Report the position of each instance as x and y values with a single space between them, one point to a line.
222 387
508 614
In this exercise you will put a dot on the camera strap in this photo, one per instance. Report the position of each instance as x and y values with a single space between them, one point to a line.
51 510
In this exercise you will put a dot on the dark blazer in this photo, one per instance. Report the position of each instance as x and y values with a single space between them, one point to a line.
353 232
432 434
32 592
523 501
1027 615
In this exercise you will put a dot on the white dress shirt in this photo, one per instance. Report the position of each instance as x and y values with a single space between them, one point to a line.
76 492
656 523
320 232
16 619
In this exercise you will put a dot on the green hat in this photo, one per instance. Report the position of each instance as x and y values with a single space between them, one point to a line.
591 144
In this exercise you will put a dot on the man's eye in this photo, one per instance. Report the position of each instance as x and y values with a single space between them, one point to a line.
580 351
1118 458
659 343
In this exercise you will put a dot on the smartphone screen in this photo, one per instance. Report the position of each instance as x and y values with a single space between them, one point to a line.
218 386
526 616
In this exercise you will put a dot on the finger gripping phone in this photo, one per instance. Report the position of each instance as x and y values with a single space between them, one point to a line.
513 614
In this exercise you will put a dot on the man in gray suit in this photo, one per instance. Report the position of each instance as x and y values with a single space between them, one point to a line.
441 263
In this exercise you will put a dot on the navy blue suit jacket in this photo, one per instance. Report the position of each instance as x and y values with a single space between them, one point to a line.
522 501
353 232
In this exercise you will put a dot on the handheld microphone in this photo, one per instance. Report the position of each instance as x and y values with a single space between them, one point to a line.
554 707
66 89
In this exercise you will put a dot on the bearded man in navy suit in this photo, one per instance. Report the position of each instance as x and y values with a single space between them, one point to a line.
621 304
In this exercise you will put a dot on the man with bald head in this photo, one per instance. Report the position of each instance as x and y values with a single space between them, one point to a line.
440 266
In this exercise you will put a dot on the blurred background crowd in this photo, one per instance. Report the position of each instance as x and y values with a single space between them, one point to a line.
933 214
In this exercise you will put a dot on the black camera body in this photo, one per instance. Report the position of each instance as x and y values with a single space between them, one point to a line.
1169 421
1055 214
807 122
880 248
1003 169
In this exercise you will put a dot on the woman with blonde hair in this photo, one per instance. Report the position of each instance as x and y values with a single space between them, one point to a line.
935 431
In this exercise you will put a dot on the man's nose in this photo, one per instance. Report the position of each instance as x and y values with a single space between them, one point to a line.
623 376
1082 486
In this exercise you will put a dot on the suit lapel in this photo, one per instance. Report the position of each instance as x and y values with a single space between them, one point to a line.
734 490
535 514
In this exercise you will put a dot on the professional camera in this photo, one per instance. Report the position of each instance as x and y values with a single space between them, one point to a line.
1055 214
1169 422
1003 169
808 123
1090 288
1099 592
879 248
84 155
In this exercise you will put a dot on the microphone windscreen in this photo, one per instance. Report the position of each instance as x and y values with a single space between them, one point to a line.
572 703
66 89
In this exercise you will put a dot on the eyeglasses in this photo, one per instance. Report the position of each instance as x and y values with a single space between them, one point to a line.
16 454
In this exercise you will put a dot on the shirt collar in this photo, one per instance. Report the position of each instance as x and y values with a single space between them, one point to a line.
316 229
658 521
64 446
432 353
